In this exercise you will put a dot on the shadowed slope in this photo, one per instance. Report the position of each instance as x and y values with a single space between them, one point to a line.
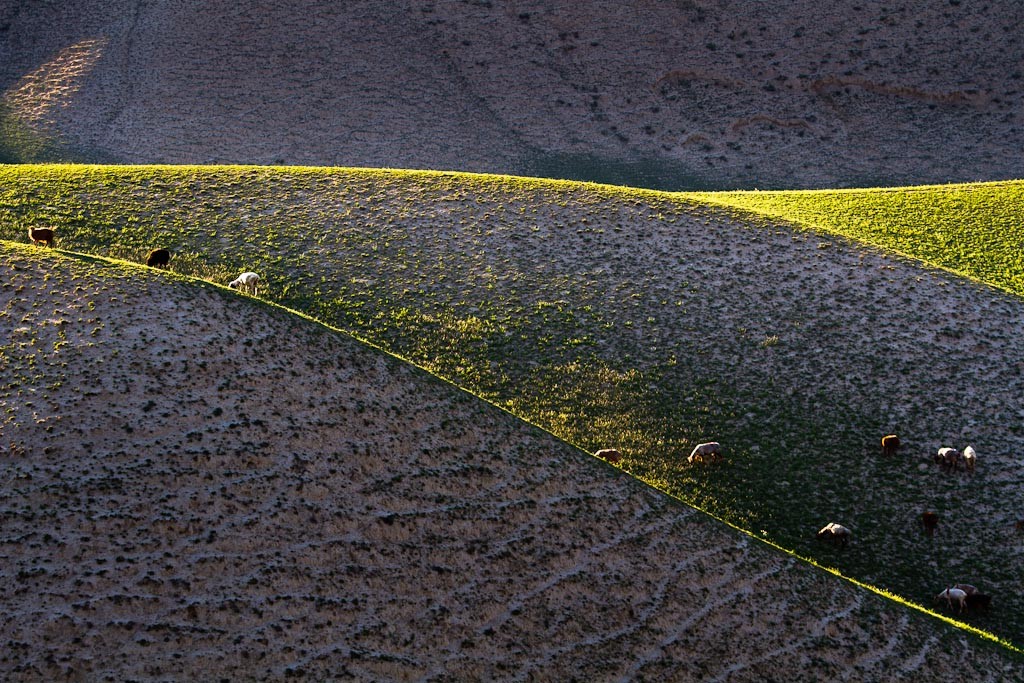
664 94
198 485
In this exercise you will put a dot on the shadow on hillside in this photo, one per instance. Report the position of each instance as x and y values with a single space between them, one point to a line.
21 143
649 173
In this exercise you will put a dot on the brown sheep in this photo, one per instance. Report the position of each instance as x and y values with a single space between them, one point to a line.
158 258
44 235
949 459
890 442
610 454
836 534
710 451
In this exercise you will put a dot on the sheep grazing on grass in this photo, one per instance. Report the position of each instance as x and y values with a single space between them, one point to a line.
1019 526
970 458
978 601
246 282
706 452
951 595
44 235
973 598
836 534
610 454
948 458
929 522
890 443
158 258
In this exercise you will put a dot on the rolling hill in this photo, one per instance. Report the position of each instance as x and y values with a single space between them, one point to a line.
643 320
200 485
673 94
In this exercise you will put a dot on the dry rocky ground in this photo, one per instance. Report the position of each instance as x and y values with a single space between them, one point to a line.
691 93
200 486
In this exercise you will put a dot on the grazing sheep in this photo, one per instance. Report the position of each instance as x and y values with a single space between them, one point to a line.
158 258
978 601
948 458
1019 526
929 522
890 442
246 282
970 458
951 595
44 235
836 534
710 451
609 454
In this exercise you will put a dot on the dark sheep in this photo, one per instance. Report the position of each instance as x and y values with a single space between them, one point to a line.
977 601
158 258
44 235
929 522
890 443
610 454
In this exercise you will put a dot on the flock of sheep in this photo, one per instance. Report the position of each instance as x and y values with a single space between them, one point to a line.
966 596
248 281
158 258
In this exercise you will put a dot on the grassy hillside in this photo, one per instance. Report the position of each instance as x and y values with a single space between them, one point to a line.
636 319
974 230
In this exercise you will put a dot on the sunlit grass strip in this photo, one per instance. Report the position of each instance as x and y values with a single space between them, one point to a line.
974 230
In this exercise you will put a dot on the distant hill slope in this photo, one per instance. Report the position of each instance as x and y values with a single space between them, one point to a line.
196 485
683 94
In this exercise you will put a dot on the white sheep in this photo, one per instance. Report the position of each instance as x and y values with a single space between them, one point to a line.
951 595
246 282
970 458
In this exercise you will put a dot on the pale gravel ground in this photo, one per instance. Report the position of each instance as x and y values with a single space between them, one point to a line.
217 490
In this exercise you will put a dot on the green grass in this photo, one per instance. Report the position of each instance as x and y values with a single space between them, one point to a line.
973 230
460 273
